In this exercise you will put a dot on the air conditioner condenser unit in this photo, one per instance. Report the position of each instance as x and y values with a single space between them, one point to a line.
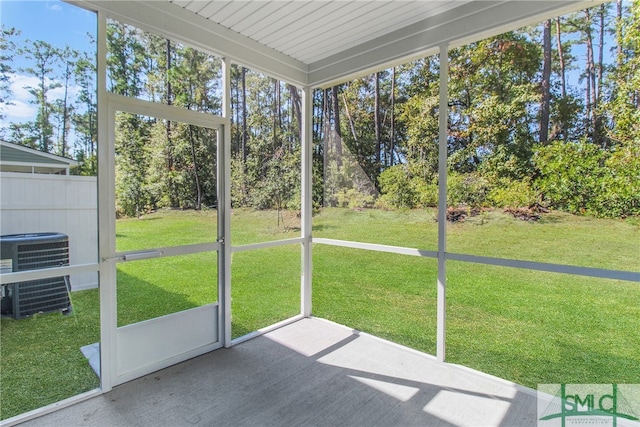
34 251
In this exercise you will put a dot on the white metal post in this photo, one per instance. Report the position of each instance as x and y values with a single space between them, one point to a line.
307 198
442 202
224 208
106 217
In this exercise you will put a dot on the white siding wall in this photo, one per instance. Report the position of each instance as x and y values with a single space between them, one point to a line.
34 203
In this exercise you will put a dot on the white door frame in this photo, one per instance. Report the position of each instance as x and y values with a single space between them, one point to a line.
134 350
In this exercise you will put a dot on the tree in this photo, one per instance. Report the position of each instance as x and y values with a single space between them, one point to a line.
546 82
84 118
44 57
625 101
64 107
492 91
126 59
132 195
7 52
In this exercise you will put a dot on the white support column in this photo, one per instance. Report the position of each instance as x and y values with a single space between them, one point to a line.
224 208
106 217
307 198
442 201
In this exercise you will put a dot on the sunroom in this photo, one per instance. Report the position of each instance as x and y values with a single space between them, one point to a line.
254 309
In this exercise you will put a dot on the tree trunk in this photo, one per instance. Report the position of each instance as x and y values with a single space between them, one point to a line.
65 111
277 118
601 52
376 119
563 75
195 169
337 124
619 58
546 82
393 117
590 77
598 135
351 123
244 116
169 96
296 106
562 127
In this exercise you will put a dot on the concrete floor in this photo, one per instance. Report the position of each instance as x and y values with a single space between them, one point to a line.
312 373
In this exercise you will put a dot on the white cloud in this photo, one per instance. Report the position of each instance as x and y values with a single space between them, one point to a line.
22 109
19 84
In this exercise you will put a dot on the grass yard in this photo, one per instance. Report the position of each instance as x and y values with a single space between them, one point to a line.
525 326
40 358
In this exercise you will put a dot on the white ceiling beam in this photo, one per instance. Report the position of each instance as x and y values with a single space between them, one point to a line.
176 23
467 23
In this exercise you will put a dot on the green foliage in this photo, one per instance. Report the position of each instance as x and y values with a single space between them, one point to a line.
354 199
396 188
239 183
346 183
620 195
512 194
280 184
468 189
402 189
426 192
584 178
624 105
132 197
7 53
571 174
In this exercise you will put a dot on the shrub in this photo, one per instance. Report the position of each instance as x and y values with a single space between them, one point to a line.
570 174
512 194
466 189
396 188
584 178
620 190
353 199
426 193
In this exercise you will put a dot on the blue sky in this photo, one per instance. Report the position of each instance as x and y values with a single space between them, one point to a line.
59 24
54 21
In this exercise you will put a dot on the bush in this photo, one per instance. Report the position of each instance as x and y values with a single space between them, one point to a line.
466 189
426 193
583 178
353 199
571 174
620 195
512 194
396 188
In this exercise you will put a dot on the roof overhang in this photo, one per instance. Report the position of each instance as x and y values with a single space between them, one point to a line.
323 59
18 158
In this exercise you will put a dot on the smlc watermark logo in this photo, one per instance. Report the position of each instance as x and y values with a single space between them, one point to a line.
577 405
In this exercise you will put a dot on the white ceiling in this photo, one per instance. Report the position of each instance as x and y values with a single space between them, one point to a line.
323 42
313 30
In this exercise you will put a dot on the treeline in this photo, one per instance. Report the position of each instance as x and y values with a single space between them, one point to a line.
160 163
545 115
66 124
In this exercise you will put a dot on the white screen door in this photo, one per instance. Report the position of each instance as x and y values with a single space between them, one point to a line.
161 251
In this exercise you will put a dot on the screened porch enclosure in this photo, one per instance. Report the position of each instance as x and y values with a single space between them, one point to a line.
264 330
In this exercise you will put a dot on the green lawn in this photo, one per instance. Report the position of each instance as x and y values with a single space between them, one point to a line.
528 327
40 358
